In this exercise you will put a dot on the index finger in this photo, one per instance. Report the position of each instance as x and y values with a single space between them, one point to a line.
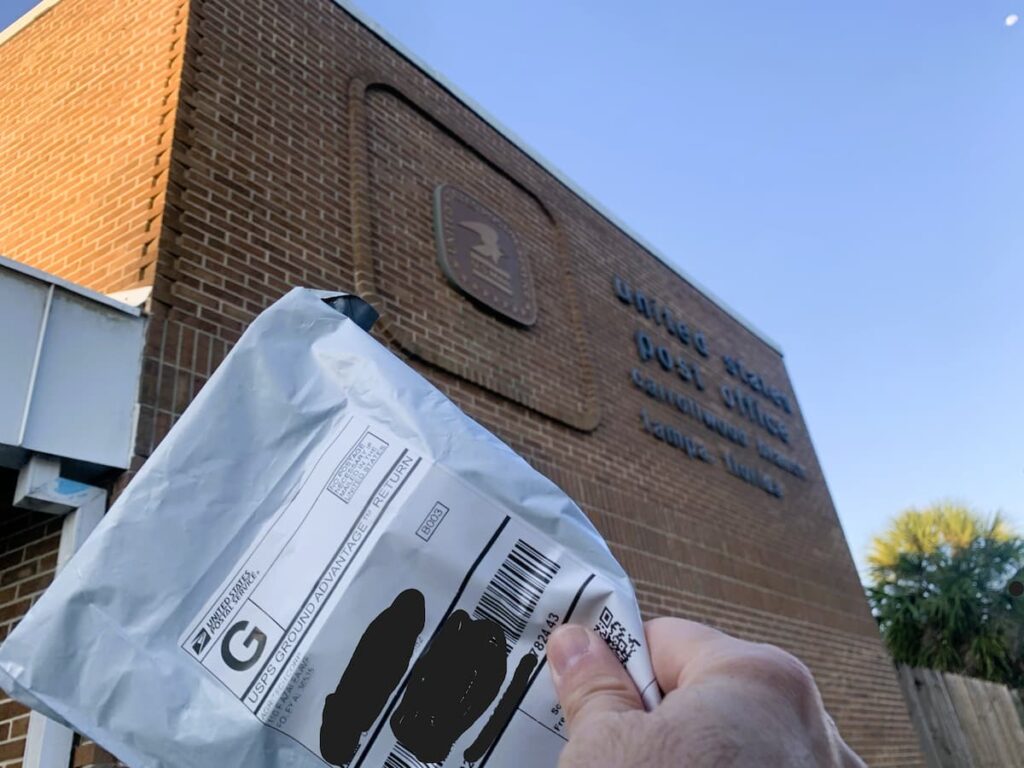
676 644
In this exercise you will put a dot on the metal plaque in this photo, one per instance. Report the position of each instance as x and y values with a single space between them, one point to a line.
479 254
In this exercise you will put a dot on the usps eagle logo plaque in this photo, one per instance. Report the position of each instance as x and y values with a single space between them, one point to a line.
480 256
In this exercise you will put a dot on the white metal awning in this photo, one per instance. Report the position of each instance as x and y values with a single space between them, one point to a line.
70 360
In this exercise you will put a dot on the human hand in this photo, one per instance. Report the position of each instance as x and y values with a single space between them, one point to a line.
728 703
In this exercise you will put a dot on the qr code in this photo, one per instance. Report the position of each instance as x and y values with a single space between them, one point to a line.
615 634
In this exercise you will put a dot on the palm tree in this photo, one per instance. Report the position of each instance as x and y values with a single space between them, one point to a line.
938 589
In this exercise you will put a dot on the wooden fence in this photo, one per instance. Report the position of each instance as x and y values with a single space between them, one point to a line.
964 722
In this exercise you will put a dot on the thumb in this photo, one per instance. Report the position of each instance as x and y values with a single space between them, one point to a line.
589 680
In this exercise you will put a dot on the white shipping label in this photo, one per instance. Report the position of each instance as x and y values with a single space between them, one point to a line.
391 615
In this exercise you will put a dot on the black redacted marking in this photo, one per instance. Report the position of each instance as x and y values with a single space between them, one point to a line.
503 712
451 607
451 685
374 671
538 670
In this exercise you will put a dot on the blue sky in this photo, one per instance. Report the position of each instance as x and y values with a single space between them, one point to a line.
848 175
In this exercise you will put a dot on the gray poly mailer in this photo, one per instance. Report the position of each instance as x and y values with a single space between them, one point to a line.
324 562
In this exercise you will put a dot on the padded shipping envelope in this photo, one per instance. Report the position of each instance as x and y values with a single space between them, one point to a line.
324 562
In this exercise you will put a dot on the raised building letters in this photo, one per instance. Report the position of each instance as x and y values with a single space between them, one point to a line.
659 357
661 315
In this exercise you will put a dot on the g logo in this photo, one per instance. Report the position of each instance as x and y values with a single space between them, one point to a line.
255 638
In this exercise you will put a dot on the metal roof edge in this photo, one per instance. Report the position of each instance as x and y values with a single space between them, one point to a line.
67 285
25 19
361 16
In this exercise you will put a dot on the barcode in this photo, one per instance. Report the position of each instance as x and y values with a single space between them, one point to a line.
513 593
400 757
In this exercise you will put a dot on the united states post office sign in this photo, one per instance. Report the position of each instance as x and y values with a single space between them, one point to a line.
479 254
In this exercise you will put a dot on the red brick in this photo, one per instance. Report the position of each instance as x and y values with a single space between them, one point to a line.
12 749
10 559
19 727
21 572
14 610
8 594
90 753
80 162
32 586
43 546
11 709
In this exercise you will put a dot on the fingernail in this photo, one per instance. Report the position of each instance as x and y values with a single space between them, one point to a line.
566 647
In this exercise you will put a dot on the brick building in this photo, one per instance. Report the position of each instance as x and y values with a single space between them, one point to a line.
215 153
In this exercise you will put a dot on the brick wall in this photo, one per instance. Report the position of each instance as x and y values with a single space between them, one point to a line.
306 152
29 542
28 558
88 94
309 152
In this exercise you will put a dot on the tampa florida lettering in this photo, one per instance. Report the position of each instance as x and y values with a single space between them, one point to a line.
670 355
